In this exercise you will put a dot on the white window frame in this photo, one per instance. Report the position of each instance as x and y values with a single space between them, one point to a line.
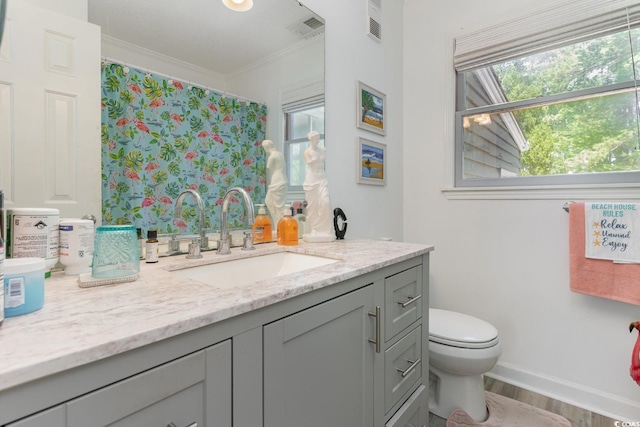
559 25
294 107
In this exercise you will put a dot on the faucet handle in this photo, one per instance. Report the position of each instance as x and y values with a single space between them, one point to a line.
174 244
224 247
194 249
204 241
247 242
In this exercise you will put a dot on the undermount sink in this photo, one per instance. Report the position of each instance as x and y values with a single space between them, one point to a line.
244 271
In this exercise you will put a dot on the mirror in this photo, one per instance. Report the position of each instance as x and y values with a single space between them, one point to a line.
272 54
205 33
3 10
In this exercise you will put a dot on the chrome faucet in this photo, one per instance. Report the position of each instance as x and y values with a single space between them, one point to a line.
224 244
204 240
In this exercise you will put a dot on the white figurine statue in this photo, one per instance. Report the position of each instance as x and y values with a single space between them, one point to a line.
319 217
276 182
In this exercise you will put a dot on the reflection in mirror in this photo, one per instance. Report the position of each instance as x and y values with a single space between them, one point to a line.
179 109
3 11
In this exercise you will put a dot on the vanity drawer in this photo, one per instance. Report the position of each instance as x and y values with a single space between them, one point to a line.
403 300
403 366
413 413
55 417
174 391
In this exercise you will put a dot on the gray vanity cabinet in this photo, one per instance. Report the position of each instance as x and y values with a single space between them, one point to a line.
351 354
318 364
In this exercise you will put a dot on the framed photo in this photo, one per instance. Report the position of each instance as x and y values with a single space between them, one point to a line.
372 106
372 158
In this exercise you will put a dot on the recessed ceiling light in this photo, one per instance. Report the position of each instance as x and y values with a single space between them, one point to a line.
238 5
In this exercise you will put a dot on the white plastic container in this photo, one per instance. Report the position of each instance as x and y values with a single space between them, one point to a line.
76 245
33 232
23 285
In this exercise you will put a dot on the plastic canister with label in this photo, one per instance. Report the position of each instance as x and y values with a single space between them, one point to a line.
33 232
76 245
23 285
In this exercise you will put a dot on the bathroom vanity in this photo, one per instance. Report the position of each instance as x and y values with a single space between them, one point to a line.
342 344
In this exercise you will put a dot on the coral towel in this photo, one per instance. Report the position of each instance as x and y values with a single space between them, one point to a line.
597 277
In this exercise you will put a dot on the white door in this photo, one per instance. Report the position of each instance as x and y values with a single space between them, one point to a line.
50 112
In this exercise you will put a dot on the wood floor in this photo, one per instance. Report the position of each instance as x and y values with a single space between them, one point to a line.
578 417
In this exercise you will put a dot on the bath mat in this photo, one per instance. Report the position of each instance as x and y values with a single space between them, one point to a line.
505 412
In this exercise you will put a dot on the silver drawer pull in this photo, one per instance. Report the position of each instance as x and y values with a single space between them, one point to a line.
410 368
378 340
412 300
190 425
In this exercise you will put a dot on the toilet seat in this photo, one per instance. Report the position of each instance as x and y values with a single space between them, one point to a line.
460 330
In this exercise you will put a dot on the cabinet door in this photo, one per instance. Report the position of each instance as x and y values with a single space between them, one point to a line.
318 365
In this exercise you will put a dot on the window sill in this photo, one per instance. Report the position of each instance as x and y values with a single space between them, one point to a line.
629 191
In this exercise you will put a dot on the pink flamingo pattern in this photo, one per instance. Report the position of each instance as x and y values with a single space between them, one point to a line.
161 136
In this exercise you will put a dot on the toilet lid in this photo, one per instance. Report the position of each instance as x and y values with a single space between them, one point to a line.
460 330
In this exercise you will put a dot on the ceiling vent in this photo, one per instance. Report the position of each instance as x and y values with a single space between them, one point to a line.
307 26
374 13
313 23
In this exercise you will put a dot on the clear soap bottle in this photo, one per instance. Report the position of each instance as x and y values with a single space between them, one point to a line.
287 229
262 229
302 221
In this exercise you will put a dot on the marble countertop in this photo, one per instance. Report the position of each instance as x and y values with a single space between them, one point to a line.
77 325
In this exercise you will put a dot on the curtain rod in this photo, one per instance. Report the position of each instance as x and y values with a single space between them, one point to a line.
218 91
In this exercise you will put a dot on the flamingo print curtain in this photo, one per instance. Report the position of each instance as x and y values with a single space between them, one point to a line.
161 136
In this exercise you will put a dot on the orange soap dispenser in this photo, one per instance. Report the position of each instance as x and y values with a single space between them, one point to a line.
262 230
287 229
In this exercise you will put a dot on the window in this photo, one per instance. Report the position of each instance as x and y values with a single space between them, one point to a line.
556 108
299 121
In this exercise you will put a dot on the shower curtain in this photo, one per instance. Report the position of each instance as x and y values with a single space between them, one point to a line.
161 136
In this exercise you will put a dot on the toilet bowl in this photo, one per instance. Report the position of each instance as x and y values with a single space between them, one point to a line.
461 349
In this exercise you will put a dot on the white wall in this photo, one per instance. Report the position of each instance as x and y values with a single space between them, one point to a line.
351 55
144 59
75 8
299 67
504 260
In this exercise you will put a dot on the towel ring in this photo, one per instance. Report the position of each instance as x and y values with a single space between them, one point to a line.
566 205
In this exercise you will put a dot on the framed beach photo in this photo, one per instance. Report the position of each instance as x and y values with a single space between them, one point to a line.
372 157
372 106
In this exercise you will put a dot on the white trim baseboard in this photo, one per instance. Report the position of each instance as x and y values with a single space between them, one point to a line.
606 404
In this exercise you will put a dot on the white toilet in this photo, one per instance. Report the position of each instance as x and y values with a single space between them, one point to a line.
461 349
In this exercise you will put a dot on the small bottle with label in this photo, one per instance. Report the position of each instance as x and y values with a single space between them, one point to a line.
287 229
151 247
262 229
